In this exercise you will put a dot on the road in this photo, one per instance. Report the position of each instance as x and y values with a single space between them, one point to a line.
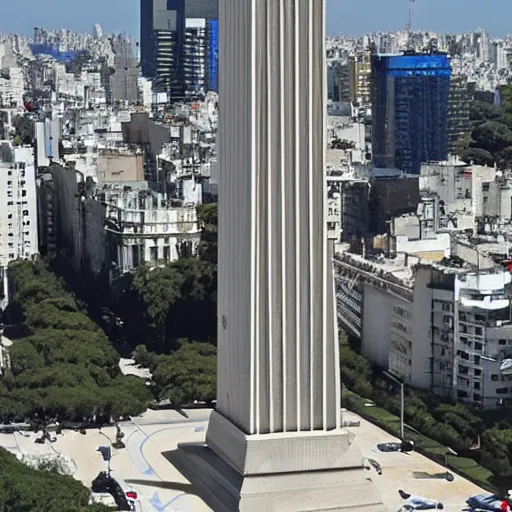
141 466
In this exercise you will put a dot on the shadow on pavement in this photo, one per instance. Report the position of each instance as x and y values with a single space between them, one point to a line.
172 486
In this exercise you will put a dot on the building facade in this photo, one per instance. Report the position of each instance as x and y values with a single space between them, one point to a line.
179 46
438 327
410 110
18 210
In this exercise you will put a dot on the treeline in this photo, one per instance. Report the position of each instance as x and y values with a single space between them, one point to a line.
490 140
63 366
161 305
186 375
457 426
23 489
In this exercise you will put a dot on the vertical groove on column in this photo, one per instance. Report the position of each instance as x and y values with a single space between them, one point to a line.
276 82
270 229
296 175
254 319
282 171
311 211
325 289
291 215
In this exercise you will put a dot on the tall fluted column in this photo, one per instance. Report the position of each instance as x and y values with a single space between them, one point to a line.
275 443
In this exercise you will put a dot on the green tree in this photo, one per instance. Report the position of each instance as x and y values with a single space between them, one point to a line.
23 489
208 217
188 374
492 136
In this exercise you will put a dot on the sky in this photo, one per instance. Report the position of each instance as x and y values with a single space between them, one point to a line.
344 17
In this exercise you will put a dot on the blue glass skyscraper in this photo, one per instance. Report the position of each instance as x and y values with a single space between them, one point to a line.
175 50
410 109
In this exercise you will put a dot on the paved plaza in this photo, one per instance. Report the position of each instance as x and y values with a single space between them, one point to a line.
161 488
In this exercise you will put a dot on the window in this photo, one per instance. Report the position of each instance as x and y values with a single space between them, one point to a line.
9 173
478 346
479 318
9 193
25 213
477 372
477 397
478 331
446 319
153 253
485 187
23 193
167 253
9 216
462 394
476 385
10 203
9 183
11 255
494 377
501 391
502 342
476 359
446 307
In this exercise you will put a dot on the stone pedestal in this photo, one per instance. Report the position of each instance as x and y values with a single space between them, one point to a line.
295 472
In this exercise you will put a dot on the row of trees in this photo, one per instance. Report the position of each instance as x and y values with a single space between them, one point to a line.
490 140
189 373
455 425
29 490
63 366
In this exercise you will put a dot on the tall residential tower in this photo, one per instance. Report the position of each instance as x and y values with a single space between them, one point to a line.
410 109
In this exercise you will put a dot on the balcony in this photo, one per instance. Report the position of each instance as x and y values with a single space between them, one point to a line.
486 302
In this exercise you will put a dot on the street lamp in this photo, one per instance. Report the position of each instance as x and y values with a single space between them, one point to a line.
448 451
402 402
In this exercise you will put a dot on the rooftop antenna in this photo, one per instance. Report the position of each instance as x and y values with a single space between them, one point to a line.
409 24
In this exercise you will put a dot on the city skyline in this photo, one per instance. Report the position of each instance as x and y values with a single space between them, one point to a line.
344 18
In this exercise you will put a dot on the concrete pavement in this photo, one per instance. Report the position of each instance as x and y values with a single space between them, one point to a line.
161 488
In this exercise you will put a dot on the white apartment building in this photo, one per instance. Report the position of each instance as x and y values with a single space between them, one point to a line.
146 227
18 210
441 327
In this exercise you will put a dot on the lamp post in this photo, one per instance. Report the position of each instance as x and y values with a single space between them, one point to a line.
448 451
402 402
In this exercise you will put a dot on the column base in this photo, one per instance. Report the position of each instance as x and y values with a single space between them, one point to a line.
286 480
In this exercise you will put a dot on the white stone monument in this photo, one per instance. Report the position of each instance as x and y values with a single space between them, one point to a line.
275 442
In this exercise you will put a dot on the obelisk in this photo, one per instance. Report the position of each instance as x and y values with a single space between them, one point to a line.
275 441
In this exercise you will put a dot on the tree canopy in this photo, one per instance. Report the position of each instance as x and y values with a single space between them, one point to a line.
187 374
29 490
64 367
490 141
159 305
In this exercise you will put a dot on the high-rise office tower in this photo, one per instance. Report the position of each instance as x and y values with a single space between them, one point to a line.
176 39
410 109
459 106
275 440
